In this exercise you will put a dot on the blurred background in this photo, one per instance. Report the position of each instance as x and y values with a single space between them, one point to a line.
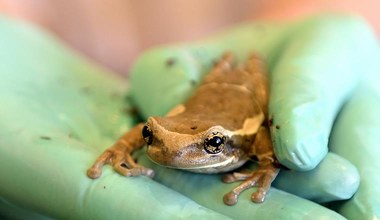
114 32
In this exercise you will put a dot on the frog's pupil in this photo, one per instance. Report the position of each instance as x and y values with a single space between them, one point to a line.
215 141
214 145
147 135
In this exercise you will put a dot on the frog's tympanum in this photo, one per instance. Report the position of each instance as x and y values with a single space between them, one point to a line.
222 126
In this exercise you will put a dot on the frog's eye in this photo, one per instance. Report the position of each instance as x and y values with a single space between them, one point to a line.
147 135
214 143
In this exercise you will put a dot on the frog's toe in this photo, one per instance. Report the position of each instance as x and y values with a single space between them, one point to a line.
228 178
259 195
230 198
94 172
146 172
134 171
235 176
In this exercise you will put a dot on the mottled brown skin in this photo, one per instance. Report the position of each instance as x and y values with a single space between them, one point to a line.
217 130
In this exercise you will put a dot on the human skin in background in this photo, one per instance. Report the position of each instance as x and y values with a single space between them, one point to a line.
114 32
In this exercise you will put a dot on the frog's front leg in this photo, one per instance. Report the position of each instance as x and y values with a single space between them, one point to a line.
261 178
119 156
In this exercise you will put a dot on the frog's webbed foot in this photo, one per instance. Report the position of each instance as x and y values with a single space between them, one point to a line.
119 156
122 162
261 178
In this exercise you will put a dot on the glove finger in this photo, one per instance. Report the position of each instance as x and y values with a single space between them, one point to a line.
314 75
356 137
333 179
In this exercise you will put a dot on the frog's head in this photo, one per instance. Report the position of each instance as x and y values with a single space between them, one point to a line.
192 145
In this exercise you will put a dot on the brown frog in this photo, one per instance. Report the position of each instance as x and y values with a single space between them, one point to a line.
222 126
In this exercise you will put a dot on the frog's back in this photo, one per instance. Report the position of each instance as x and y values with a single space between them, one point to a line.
229 96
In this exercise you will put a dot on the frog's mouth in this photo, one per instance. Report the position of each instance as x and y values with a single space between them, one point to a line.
221 167
227 165
208 164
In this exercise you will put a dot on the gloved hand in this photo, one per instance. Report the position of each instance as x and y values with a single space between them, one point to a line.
322 95
59 111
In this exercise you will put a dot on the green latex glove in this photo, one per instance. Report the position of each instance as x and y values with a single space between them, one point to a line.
316 66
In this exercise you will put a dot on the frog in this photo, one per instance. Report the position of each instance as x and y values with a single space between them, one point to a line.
223 125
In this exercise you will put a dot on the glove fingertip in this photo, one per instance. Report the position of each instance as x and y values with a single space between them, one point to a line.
298 152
